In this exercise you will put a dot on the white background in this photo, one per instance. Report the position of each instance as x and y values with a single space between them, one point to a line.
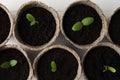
107 6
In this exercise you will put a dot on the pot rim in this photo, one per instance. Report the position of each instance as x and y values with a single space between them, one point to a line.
109 20
79 71
107 44
56 17
12 22
24 54
102 16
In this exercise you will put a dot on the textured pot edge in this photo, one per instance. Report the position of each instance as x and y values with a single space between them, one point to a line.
108 44
104 24
56 34
25 55
109 19
79 71
12 22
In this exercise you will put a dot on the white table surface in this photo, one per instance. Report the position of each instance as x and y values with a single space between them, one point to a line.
107 6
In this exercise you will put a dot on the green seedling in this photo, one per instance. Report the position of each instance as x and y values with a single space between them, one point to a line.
31 19
109 68
8 64
85 22
53 66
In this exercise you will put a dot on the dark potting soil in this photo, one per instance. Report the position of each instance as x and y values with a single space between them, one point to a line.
114 28
18 72
4 25
37 34
86 35
96 59
67 65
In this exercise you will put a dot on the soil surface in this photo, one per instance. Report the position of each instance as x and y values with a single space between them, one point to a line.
37 34
18 72
67 65
86 35
95 61
114 28
4 25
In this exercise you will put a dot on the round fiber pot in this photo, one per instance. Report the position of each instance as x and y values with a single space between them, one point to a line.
102 62
22 70
6 25
37 26
87 35
114 28
57 62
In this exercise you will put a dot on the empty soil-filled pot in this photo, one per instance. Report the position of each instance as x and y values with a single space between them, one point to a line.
6 25
14 64
57 62
37 26
114 27
83 24
102 62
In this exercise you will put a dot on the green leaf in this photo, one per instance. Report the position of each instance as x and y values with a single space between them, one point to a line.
30 17
8 64
77 26
13 63
5 65
53 66
87 21
112 69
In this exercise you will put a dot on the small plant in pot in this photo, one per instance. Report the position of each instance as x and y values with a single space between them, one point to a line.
37 26
57 62
114 28
83 24
102 62
14 64
6 25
